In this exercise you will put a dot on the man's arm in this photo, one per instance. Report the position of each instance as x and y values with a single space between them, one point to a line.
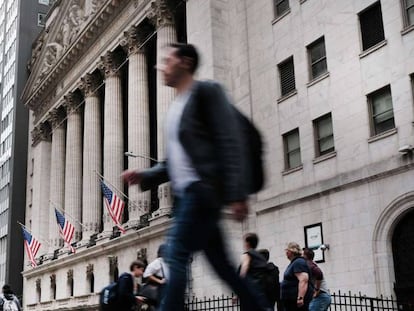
148 178
126 289
245 264
303 278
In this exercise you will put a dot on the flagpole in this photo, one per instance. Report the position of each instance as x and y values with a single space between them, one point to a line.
66 213
28 230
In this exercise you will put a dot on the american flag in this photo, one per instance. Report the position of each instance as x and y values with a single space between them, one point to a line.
66 229
31 245
114 205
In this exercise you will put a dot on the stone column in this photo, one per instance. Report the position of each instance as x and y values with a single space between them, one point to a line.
92 157
113 128
138 118
73 172
41 184
57 174
163 19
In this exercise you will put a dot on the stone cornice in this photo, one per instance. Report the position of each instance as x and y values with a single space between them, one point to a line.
131 239
60 55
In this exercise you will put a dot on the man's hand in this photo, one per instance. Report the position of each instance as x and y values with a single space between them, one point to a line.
131 177
300 303
240 210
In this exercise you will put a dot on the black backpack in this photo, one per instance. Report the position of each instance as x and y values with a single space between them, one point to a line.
271 283
253 172
108 297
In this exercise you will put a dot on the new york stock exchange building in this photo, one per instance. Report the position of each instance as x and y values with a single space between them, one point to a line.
337 125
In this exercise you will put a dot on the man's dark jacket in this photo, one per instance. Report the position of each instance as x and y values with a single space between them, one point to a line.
210 135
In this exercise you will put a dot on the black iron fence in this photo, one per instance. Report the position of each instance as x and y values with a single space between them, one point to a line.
340 302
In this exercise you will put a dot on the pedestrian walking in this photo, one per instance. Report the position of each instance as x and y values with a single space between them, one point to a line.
8 300
205 166
321 297
296 291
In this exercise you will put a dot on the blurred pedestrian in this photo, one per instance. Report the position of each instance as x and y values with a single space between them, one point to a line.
296 291
321 297
205 166
8 300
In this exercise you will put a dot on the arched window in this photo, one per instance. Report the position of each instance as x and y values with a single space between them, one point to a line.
70 284
113 268
38 290
90 277
53 287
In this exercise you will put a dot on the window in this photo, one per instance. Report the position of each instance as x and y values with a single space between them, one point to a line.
41 19
372 28
324 138
408 12
317 58
287 76
292 149
281 6
382 115
45 2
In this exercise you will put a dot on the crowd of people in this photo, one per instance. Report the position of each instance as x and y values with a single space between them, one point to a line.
303 286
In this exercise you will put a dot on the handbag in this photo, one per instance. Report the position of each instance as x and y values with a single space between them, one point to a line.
151 290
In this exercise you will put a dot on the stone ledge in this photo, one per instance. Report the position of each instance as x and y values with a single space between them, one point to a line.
288 95
318 79
324 157
407 30
292 170
372 49
274 21
382 135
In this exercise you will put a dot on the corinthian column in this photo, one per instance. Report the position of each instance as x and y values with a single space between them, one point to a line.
138 118
163 19
73 172
41 183
57 174
113 127
92 158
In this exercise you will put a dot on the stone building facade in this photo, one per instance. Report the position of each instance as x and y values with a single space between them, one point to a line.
333 100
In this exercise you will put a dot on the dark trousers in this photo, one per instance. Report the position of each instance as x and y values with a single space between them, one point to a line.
196 228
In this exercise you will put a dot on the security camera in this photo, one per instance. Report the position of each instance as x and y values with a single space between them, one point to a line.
405 149
324 247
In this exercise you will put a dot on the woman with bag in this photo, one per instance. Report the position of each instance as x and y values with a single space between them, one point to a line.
156 275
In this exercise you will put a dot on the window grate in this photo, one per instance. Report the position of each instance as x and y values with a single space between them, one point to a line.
372 28
287 77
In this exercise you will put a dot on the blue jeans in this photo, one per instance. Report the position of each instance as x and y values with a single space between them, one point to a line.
321 302
196 228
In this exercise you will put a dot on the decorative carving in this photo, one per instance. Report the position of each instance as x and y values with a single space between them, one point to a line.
161 13
36 49
89 270
142 254
134 39
89 84
72 102
56 117
110 63
70 275
113 264
53 279
40 133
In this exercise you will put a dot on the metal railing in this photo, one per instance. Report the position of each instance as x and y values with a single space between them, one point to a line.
340 302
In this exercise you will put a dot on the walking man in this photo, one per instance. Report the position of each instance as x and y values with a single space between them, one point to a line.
204 164
321 297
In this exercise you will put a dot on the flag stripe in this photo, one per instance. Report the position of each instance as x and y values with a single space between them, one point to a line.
114 205
66 229
31 245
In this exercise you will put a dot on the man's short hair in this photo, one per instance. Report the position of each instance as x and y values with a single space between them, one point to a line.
7 289
189 51
308 253
265 253
252 239
136 264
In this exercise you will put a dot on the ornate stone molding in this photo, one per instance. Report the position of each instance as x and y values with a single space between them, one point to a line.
161 13
72 102
142 254
90 84
56 117
134 39
40 133
113 264
110 64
